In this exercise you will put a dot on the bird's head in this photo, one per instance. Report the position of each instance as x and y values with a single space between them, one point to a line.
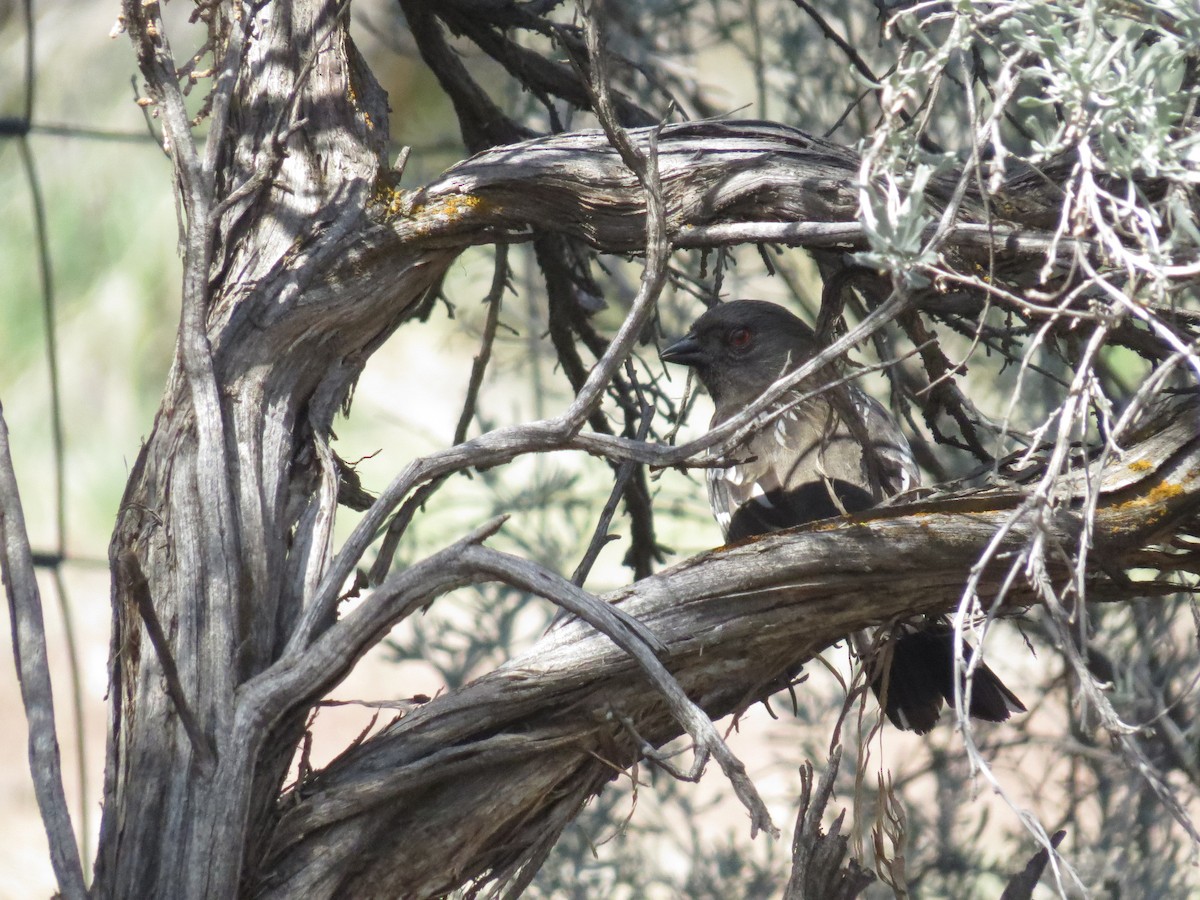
740 348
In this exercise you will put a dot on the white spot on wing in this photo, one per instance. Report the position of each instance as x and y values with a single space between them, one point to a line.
759 496
781 432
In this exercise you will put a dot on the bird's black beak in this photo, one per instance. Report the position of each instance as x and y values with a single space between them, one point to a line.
686 351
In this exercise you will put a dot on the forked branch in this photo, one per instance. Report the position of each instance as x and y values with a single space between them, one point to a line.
736 622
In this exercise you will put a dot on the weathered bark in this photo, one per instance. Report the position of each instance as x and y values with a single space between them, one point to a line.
301 258
222 524
474 782
718 177
819 865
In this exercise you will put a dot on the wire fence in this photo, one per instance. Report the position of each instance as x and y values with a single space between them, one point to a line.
23 129
19 129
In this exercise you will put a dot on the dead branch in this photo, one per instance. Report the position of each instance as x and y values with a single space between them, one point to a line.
734 621
33 673
817 857
1021 885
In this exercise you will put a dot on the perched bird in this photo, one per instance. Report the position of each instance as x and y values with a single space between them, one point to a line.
839 452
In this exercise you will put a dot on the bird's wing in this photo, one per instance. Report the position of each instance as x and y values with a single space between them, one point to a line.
747 488
800 466
888 457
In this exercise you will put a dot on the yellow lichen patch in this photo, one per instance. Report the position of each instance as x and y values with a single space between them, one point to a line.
352 96
1164 491
832 525
448 208
1141 465
390 196
443 211
1159 494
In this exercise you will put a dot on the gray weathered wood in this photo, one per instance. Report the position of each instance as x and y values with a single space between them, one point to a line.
419 807
723 182
301 258
33 674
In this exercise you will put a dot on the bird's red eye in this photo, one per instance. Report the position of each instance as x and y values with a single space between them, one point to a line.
740 338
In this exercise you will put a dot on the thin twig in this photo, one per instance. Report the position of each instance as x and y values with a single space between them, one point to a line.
495 294
833 234
33 673
830 32
402 519
600 536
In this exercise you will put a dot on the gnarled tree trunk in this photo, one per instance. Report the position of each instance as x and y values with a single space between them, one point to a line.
301 258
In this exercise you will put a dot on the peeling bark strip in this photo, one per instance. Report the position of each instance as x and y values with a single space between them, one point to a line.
723 182
473 783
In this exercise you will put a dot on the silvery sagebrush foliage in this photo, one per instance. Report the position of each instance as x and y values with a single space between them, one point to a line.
1106 93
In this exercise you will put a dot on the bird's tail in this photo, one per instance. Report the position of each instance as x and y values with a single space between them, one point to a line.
918 675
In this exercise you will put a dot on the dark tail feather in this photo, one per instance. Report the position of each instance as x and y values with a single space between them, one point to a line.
921 677
991 700
912 686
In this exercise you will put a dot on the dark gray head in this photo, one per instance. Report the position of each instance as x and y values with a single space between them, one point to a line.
740 348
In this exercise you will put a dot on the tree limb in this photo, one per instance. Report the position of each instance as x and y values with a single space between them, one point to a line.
33 674
735 621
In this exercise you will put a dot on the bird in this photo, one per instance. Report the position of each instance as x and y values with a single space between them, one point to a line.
836 453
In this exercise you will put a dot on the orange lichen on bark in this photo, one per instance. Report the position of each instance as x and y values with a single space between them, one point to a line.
388 194
1157 495
430 215
448 208
352 96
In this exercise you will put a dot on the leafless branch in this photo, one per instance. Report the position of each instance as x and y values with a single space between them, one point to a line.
1022 884
728 618
601 536
33 674
817 857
